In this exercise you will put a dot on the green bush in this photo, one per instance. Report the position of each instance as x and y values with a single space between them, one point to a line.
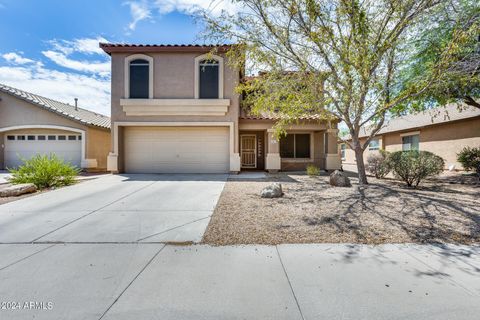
45 172
312 170
470 159
414 166
378 164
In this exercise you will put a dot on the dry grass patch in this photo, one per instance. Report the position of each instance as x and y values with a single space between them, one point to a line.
314 212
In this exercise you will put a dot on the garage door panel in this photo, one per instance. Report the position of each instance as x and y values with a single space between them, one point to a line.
15 150
176 150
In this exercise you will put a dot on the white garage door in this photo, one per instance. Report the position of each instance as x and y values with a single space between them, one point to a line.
66 146
176 149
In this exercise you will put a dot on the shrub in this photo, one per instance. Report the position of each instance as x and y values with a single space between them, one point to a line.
312 170
414 166
44 172
470 159
378 164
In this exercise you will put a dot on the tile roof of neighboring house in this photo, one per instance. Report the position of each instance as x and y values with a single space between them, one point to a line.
430 117
83 116
124 47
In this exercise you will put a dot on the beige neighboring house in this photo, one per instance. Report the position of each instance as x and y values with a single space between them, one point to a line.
31 124
444 131
175 110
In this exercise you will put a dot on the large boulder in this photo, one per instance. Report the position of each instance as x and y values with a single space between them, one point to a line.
272 191
17 190
339 179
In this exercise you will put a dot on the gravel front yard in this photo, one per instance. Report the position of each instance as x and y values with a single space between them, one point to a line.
314 212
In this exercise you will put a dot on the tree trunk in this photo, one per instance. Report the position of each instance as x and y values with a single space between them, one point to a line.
362 176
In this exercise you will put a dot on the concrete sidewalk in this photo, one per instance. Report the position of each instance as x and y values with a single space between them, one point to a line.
157 281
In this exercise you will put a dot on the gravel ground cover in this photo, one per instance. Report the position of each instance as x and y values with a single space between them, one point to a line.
311 211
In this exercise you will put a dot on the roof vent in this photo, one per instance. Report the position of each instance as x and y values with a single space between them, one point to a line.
76 104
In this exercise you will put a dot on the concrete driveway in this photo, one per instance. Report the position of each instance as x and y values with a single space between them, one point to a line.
116 208
97 250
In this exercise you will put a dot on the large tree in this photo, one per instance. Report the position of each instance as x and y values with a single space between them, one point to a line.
344 59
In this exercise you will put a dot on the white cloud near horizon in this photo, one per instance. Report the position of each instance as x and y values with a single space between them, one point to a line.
87 80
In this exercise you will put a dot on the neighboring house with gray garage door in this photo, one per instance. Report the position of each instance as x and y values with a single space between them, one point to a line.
175 109
31 124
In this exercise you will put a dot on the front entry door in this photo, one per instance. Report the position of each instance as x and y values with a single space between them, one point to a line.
248 150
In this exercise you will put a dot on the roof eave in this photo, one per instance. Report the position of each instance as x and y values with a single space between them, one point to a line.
118 48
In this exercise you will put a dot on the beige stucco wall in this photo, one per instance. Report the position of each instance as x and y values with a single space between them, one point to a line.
445 140
17 112
173 78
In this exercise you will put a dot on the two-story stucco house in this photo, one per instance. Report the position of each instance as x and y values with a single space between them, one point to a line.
175 110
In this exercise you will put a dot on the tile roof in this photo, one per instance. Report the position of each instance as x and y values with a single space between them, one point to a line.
83 116
426 118
273 116
125 47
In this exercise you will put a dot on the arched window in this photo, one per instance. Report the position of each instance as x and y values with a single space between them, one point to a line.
208 77
139 79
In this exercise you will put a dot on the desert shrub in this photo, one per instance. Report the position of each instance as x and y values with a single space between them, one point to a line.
378 164
470 159
44 172
413 166
313 170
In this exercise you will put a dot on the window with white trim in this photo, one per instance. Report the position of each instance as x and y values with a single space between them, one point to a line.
374 144
411 142
139 79
208 79
295 146
343 148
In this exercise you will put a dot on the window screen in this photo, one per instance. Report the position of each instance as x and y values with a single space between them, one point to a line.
374 144
139 82
410 143
302 146
287 146
208 79
295 146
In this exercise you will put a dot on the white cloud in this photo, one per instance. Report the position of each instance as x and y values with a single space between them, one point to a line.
93 93
83 45
97 67
215 7
88 80
61 52
139 10
15 58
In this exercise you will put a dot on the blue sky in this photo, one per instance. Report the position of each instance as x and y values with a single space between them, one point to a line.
50 47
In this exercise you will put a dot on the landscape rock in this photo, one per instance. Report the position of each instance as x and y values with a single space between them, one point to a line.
17 190
339 179
272 191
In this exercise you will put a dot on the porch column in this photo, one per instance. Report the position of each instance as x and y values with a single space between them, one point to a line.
273 155
332 158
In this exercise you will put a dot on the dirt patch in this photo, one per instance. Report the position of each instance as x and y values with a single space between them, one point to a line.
314 212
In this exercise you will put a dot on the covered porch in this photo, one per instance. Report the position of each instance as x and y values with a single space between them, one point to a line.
308 142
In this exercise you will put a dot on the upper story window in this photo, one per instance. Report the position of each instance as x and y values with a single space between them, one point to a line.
208 77
139 77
